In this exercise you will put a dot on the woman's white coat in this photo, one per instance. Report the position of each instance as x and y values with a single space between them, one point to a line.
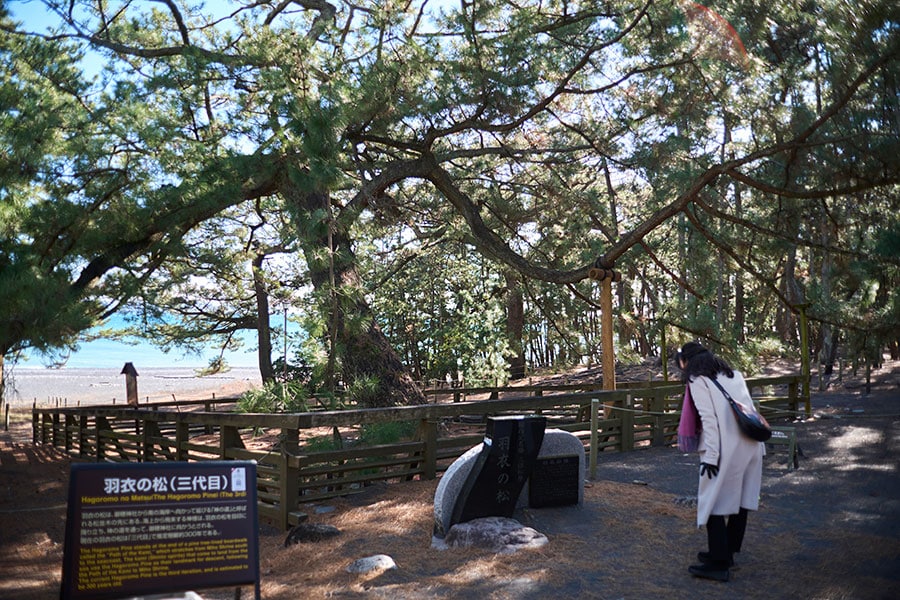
721 443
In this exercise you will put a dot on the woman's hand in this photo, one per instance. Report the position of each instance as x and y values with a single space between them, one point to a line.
708 470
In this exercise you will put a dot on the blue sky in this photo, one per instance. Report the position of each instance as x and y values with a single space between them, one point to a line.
107 354
111 353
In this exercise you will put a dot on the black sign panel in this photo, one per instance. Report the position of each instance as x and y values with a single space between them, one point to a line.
145 528
492 488
555 481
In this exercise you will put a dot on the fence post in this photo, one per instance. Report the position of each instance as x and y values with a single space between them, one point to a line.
56 442
82 435
288 477
46 424
151 430
229 437
137 433
658 407
428 435
792 395
42 427
182 433
67 432
35 419
101 423
595 410
627 425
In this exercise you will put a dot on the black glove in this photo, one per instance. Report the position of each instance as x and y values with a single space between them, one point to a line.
708 470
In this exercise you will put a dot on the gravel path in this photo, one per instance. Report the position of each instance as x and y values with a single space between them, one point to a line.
830 529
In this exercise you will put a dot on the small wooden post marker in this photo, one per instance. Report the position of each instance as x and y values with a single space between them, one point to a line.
131 390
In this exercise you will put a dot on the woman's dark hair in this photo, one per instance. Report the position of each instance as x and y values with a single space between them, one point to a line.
700 361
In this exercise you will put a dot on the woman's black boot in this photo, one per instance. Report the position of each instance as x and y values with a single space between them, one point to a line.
718 557
705 558
717 571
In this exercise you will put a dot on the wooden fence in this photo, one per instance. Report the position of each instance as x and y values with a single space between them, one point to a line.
292 471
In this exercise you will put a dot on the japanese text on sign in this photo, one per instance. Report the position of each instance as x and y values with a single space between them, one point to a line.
146 528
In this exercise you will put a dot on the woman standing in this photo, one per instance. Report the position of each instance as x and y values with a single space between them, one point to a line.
730 462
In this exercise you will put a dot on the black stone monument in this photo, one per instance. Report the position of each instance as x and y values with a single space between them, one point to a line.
511 446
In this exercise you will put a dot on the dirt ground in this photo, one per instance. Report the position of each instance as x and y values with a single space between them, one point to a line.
829 530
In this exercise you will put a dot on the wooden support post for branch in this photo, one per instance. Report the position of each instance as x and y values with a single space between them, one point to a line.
664 353
626 424
606 336
804 355
606 275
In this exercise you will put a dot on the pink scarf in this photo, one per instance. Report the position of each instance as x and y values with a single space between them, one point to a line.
689 426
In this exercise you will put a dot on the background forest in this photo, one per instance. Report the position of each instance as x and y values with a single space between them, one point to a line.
425 185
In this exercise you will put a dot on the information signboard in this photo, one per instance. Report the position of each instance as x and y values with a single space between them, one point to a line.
145 528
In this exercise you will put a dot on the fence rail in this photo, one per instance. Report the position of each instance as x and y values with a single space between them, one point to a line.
292 472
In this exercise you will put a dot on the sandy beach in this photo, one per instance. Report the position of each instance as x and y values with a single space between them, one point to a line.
80 386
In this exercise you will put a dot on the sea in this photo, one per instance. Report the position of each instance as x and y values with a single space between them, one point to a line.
93 375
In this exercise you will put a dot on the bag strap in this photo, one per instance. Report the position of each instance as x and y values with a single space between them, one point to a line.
728 397
721 389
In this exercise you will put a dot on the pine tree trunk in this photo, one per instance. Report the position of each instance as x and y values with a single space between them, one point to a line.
370 368
263 327
515 325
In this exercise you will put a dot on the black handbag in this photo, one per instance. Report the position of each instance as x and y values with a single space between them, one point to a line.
753 424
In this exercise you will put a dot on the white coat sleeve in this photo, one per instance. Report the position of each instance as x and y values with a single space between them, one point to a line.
709 439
